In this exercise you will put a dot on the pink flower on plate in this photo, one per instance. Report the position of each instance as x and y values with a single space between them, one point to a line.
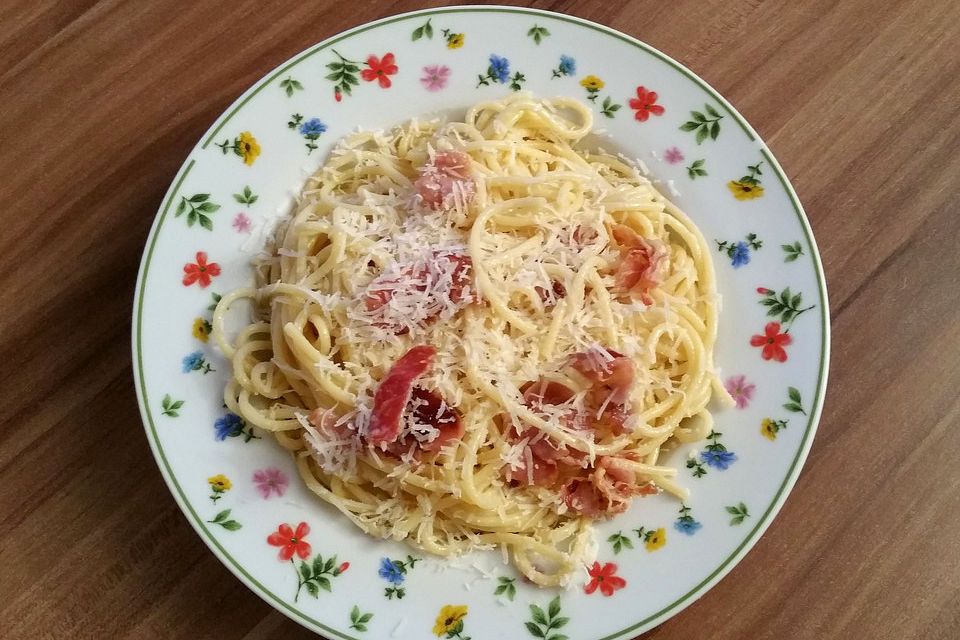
740 389
673 155
241 222
269 481
435 77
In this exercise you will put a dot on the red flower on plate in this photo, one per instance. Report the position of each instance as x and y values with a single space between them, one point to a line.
645 103
380 70
773 342
200 272
604 578
290 541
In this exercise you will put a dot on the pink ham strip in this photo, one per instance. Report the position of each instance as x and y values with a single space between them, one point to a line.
394 393
639 263
441 179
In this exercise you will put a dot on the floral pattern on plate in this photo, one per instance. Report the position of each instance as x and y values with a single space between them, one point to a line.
773 354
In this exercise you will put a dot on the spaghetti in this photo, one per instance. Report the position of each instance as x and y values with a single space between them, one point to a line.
475 335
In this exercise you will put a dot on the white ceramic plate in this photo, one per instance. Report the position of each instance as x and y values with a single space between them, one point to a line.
244 174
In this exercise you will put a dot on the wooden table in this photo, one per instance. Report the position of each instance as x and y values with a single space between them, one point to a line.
100 101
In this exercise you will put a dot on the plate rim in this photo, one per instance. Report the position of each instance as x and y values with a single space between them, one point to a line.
232 564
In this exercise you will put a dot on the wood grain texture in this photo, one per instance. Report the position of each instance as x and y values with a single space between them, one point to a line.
102 100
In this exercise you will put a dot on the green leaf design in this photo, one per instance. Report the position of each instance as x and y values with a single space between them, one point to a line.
246 197
706 126
324 583
312 589
554 607
696 169
618 540
534 630
786 305
739 512
793 251
609 107
196 207
170 406
536 613
538 33
305 571
796 401
223 520
423 30
359 621
344 73
289 85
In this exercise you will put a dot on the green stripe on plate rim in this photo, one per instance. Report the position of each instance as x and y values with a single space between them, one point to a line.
792 472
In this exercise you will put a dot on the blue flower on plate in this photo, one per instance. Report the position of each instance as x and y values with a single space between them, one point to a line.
719 458
741 254
499 68
229 425
313 127
193 361
390 571
688 526
568 66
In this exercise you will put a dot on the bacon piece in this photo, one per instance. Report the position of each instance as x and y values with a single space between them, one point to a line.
325 422
445 179
611 381
545 455
580 496
543 473
425 282
607 490
432 410
394 393
584 235
559 291
614 376
640 262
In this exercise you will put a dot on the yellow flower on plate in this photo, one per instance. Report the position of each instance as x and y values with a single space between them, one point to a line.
745 190
766 428
201 329
249 148
592 83
220 482
455 41
450 616
657 540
